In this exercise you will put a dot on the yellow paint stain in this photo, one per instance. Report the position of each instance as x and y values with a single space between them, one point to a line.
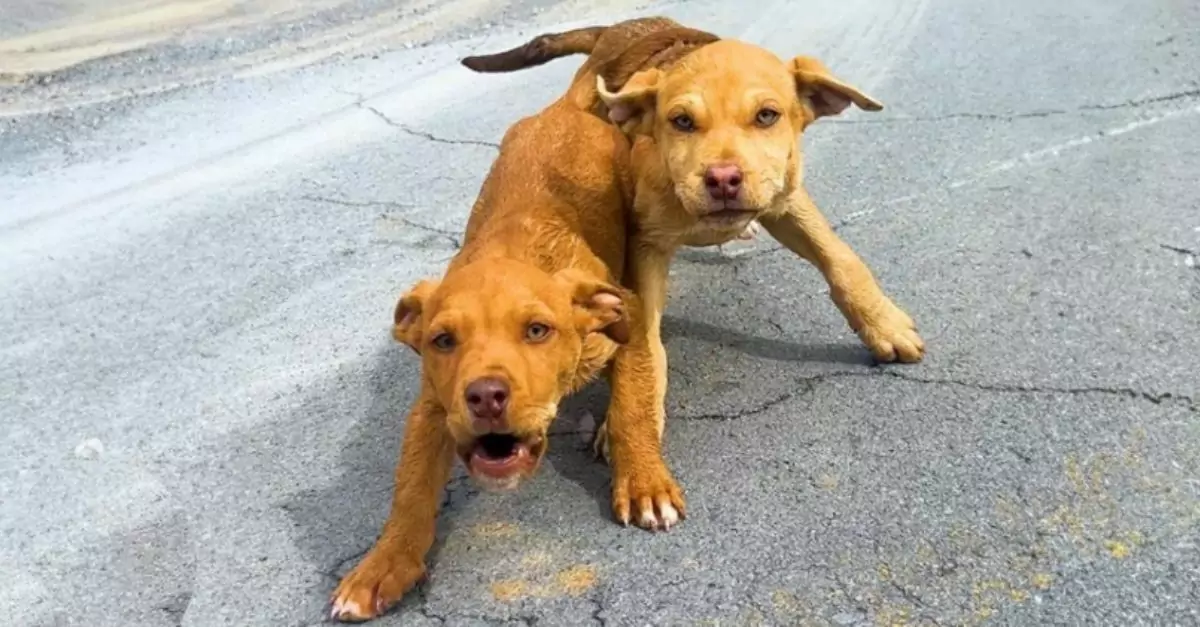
508 590
535 560
984 613
495 530
1136 538
1064 519
1074 475
1117 549
1018 596
1096 476
884 571
577 579
827 481
782 599
893 616
545 591
1042 581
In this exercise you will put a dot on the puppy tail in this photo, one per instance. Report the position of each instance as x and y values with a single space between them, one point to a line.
539 50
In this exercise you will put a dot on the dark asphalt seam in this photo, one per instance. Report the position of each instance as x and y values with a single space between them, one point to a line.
450 235
1179 249
1043 113
808 385
1157 398
597 610
426 135
752 411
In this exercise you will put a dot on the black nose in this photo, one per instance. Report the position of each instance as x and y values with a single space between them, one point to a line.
487 398
723 181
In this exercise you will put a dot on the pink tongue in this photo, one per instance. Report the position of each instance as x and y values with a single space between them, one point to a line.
502 467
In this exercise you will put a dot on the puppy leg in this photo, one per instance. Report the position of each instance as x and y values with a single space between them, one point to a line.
397 561
880 324
644 492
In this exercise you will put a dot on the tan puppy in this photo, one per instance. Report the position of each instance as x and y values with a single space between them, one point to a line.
715 126
527 312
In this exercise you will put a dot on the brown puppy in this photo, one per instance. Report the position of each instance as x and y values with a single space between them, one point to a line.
526 313
715 125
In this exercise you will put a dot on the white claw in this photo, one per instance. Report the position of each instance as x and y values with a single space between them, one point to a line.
344 608
669 515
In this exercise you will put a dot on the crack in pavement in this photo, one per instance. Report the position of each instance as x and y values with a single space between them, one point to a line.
1189 256
1024 115
808 385
1157 398
752 411
1178 249
424 134
450 235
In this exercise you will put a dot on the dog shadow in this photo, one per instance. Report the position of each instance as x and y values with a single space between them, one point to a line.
571 453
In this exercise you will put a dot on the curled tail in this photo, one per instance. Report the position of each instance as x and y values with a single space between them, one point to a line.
539 50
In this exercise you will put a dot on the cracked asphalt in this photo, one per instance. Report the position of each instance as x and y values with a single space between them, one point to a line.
203 406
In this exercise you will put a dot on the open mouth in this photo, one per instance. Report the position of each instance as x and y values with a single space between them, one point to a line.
502 456
728 217
729 214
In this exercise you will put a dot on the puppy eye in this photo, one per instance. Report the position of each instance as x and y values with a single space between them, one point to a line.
444 342
683 123
766 117
536 332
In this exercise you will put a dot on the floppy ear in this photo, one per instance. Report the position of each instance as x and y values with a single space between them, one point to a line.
407 324
632 108
599 306
824 93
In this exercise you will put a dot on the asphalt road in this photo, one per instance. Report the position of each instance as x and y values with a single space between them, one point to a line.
202 407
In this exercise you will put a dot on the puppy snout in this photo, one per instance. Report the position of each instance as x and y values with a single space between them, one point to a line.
724 182
487 398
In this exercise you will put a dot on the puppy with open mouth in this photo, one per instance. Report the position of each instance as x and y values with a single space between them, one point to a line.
502 342
529 311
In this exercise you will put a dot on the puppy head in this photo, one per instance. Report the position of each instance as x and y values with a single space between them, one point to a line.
726 118
501 343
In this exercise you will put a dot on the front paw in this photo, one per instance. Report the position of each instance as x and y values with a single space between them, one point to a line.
645 494
377 583
891 334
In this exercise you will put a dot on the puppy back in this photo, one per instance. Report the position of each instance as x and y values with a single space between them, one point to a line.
660 49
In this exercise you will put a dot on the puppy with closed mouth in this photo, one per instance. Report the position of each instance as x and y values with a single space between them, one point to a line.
715 125
529 311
